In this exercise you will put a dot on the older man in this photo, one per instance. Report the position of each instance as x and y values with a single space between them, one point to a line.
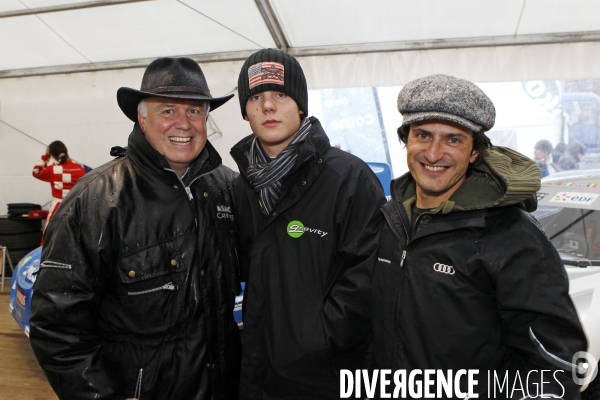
466 279
135 294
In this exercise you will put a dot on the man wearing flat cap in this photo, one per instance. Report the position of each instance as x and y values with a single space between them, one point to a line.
138 274
466 279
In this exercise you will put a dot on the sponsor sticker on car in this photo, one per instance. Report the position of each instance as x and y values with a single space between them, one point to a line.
574 198
21 298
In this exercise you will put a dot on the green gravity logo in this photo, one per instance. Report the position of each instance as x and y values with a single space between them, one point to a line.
296 229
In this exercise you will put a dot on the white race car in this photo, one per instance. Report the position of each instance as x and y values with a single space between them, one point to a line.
569 211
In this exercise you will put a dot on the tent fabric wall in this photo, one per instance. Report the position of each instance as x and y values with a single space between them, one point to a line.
81 109
478 64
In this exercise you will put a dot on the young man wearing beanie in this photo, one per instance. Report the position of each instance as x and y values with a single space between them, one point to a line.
466 279
309 228
138 277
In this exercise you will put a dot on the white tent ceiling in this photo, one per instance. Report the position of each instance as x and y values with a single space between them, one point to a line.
56 36
62 61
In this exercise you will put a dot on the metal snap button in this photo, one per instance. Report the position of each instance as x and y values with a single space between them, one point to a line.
173 262
202 272
205 194
175 187
131 274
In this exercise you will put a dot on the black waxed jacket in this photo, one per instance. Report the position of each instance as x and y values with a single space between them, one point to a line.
306 311
137 283
475 287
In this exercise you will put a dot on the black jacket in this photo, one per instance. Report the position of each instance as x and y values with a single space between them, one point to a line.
137 282
306 311
478 286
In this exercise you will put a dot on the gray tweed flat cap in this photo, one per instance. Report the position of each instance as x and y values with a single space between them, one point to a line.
447 98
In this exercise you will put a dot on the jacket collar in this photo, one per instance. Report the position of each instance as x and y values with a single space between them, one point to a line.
309 165
316 142
399 222
504 178
150 161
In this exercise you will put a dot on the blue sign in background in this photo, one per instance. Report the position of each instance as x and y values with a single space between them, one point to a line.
352 122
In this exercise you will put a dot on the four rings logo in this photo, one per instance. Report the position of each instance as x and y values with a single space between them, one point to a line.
444 269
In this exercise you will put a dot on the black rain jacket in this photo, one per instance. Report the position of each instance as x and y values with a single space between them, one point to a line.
478 286
137 283
306 312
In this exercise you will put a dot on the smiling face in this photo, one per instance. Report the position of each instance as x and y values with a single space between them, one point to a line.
274 118
176 129
438 156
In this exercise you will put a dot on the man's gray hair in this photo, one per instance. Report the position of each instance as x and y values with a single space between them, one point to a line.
143 108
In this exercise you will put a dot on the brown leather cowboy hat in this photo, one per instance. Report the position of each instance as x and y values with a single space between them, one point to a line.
171 78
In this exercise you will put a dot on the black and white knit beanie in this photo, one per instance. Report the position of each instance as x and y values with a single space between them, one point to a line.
271 69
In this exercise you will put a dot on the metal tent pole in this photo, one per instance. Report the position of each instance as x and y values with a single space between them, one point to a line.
3 265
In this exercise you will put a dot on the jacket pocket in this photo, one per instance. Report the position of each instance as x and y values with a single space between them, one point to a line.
151 291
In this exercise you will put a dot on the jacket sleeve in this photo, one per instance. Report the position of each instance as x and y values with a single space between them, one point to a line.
539 319
346 308
64 310
43 171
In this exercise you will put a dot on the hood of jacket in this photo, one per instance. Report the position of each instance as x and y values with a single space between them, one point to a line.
505 177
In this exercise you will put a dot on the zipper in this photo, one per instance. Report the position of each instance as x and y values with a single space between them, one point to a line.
138 386
402 221
405 231
417 220
167 286
187 188
188 191
236 255
54 264
389 221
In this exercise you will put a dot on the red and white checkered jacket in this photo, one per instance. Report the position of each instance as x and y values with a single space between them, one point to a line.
62 177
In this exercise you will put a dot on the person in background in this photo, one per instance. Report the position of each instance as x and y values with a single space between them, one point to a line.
62 174
309 226
558 151
542 155
573 155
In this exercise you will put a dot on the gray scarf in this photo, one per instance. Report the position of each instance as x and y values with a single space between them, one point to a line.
265 175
